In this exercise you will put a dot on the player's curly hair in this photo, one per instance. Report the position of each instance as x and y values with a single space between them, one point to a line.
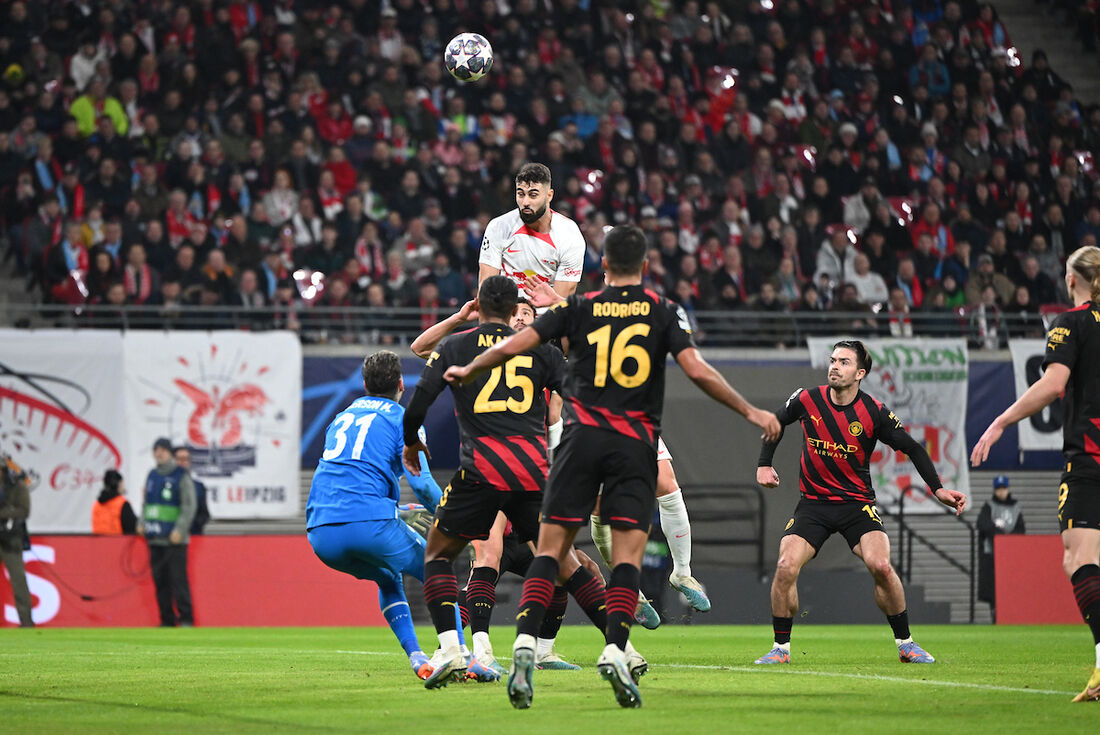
533 173
382 374
497 297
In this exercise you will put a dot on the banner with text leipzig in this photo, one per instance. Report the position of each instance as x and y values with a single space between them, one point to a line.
234 399
924 382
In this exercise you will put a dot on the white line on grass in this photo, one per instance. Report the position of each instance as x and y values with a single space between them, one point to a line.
757 670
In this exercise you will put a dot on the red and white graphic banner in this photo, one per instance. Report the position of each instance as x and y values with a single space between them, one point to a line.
234 399
62 419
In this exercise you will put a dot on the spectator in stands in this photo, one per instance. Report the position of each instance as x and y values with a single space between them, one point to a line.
1040 287
986 277
860 207
836 258
1000 514
870 286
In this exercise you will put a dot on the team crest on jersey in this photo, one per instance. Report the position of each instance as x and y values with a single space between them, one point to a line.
855 428
789 524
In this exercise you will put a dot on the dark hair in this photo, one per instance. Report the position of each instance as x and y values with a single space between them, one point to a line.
533 173
863 357
497 297
111 479
625 250
382 374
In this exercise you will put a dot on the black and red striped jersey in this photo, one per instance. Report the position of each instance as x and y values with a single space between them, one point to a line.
618 341
1074 341
839 441
501 414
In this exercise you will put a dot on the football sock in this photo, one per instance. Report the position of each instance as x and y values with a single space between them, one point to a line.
551 624
677 529
395 609
1086 588
900 625
782 628
622 597
590 595
463 608
441 594
601 536
538 592
481 595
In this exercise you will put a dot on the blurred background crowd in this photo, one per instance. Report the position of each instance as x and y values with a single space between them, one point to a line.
879 158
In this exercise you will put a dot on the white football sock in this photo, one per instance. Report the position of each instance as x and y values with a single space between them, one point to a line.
1098 655
785 646
481 644
677 529
601 536
901 642
448 640
545 646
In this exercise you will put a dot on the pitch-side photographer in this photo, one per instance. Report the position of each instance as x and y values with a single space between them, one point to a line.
15 506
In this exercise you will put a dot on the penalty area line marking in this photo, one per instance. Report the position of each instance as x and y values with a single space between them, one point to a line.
828 674
872 677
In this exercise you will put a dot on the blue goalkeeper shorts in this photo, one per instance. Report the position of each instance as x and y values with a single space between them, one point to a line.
373 550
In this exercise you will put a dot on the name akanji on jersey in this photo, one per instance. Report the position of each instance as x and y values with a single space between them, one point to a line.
502 413
618 341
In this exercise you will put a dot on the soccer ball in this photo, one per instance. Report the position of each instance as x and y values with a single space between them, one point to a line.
468 57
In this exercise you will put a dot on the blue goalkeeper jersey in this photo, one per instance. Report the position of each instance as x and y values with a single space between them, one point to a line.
358 476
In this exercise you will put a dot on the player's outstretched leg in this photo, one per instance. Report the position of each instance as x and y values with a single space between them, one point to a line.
546 658
395 609
538 592
644 613
676 526
874 549
613 664
1084 574
794 552
480 598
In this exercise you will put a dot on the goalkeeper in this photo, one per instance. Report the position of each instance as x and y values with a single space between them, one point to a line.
353 520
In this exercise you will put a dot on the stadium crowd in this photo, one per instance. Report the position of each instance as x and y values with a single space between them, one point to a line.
887 157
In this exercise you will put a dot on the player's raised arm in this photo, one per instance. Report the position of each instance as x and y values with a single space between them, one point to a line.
427 340
1041 394
711 382
430 385
894 435
422 483
517 344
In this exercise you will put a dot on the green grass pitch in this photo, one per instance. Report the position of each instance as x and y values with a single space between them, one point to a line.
842 679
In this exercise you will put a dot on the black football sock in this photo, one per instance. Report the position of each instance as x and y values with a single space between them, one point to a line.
441 593
622 598
1086 588
900 625
551 624
463 608
538 592
782 628
590 595
481 595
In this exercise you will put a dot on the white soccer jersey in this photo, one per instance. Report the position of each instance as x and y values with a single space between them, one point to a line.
519 251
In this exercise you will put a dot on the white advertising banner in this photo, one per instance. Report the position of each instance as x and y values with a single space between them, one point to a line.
234 399
61 419
924 382
1043 431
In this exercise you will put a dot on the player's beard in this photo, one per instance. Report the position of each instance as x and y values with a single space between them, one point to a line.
533 217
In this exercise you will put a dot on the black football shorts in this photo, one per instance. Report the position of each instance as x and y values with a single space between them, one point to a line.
468 509
1078 501
817 520
589 458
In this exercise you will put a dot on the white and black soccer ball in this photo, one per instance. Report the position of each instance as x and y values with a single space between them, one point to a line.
468 57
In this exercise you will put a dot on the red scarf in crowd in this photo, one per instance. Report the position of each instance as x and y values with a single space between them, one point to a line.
138 287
